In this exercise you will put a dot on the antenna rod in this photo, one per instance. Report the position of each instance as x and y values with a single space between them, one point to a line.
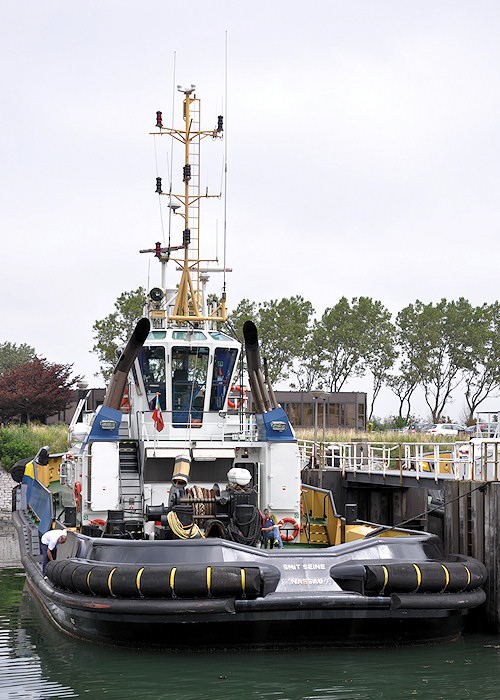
225 180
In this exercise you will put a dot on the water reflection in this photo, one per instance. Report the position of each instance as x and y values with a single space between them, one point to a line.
21 670
38 661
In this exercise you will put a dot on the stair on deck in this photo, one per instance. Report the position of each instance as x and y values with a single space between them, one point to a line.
123 430
130 482
318 534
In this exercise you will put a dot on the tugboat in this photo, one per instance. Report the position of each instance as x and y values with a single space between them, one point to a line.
162 489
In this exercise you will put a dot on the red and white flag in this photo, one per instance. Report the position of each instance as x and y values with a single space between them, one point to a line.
157 416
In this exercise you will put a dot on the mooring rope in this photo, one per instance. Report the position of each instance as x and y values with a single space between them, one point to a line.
384 528
183 532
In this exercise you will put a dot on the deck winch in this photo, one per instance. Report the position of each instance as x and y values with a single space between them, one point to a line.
230 513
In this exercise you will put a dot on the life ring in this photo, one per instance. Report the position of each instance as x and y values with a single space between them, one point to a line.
239 399
296 529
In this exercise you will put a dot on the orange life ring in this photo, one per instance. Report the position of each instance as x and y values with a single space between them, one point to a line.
239 399
296 529
98 521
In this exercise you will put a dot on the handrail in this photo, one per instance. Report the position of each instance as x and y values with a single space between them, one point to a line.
147 429
327 497
328 493
307 527
460 460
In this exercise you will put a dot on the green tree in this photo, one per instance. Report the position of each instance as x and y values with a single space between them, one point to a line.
346 338
338 345
116 328
379 353
403 385
13 355
283 327
246 310
308 369
482 375
436 345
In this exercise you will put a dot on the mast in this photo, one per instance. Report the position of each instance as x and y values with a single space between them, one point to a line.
188 305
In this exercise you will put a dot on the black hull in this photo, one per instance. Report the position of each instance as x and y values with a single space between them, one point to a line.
198 631
276 619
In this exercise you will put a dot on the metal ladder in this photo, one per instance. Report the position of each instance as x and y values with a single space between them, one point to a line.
130 481
194 191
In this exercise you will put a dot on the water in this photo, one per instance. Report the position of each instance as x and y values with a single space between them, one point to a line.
37 661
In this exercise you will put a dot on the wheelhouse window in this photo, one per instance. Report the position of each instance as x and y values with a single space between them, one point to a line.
189 379
194 335
217 335
223 371
152 364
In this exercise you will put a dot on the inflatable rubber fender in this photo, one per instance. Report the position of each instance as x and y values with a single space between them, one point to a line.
17 471
126 582
66 574
79 578
429 577
134 581
54 570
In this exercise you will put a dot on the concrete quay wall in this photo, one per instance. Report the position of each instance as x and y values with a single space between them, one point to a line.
7 483
9 546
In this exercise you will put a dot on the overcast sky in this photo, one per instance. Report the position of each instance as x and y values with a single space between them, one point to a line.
363 154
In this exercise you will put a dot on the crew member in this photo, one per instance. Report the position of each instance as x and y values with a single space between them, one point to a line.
271 532
50 540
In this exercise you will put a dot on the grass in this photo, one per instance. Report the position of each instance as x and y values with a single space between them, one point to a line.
385 445
18 442
388 436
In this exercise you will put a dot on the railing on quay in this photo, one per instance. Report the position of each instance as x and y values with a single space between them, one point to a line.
475 460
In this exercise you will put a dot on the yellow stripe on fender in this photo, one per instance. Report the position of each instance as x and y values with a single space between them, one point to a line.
109 580
172 579
468 576
419 576
447 577
138 580
88 578
242 580
386 575
209 578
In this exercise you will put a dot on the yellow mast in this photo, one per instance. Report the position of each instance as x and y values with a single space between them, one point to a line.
187 303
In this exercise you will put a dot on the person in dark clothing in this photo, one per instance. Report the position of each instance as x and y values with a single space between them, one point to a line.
271 532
